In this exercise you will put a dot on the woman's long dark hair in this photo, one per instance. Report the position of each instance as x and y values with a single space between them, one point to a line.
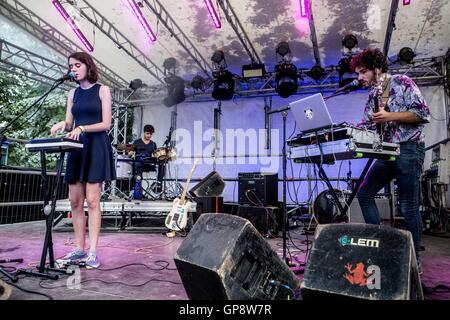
92 71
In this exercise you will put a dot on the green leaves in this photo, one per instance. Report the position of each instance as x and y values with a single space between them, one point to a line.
16 94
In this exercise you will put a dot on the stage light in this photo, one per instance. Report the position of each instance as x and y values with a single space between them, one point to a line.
406 54
198 83
253 70
303 8
223 85
213 14
142 20
218 56
73 25
286 79
350 41
175 90
344 68
316 72
283 49
344 65
169 63
406 2
136 84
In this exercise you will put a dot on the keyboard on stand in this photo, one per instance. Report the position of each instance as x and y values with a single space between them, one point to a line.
343 143
52 145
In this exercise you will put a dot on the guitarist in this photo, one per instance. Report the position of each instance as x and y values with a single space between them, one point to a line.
401 116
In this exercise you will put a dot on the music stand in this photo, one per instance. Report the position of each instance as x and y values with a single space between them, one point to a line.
61 146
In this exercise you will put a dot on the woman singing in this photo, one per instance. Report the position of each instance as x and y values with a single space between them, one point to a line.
88 119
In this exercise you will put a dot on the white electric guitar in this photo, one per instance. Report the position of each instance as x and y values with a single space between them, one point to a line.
176 220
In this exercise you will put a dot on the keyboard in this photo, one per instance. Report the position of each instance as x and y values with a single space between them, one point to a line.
344 143
52 145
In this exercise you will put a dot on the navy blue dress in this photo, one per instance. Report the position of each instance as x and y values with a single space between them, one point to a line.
95 162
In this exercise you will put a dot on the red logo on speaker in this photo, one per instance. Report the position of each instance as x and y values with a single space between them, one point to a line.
362 277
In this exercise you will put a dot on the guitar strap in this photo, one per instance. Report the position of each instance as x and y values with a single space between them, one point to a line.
385 95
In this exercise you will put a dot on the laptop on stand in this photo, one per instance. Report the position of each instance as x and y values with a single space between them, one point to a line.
311 114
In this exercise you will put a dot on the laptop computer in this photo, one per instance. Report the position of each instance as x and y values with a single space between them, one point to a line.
311 113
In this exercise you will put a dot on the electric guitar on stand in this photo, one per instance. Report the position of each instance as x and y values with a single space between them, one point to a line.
176 220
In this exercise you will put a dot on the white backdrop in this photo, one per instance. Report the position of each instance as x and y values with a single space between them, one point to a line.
248 115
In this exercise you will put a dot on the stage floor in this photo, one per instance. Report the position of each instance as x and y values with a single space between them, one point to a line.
153 275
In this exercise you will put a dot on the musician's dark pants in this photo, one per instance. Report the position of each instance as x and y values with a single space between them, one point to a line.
406 169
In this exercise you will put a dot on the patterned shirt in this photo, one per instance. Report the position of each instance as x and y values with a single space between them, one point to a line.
404 95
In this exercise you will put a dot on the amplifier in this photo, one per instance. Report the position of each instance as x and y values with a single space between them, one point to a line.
258 189
267 220
207 205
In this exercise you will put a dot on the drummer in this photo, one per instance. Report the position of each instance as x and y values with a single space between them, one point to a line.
145 148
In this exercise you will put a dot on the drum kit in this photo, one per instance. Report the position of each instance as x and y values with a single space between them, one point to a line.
125 166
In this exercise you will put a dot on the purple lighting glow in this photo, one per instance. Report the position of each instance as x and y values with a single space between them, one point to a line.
213 14
72 25
303 8
142 20
406 2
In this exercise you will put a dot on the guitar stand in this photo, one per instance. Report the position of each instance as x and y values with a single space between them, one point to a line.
49 212
342 216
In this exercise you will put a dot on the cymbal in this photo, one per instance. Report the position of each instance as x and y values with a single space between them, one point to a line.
125 147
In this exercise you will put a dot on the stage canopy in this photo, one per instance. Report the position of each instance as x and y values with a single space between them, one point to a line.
249 32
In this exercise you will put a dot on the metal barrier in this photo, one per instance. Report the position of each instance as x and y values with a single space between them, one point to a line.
21 195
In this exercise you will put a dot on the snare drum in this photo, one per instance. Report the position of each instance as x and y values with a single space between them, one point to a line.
124 168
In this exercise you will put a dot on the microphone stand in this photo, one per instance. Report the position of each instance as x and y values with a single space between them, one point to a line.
283 112
3 138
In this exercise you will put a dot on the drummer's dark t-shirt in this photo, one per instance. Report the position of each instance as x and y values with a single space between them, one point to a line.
144 150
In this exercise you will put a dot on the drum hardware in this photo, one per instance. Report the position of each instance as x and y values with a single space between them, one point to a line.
125 147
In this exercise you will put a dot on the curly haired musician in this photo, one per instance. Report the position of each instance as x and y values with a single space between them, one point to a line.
402 115
88 119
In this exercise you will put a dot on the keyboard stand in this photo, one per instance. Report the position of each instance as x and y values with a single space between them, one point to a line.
342 216
49 213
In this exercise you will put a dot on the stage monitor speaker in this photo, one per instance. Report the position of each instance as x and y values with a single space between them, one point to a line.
225 258
361 261
211 186
258 188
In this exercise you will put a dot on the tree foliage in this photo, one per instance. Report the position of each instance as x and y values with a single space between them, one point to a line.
16 94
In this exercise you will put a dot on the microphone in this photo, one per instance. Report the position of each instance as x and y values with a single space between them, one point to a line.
355 84
69 76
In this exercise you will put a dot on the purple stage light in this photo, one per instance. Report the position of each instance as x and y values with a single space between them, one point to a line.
213 14
303 8
73 25
142 20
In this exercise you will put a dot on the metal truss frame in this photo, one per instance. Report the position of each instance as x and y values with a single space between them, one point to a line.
32 23
31 65
101 22
169 23
236 25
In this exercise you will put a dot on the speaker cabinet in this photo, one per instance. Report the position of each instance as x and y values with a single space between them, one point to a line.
207 205
211 186
267 220
258 189
362 261
224 257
